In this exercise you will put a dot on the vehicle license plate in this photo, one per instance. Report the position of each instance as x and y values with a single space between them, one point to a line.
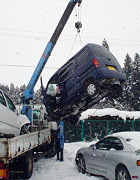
111 68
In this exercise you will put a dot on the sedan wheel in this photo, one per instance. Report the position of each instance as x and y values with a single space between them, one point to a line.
122 174
25 129
81 165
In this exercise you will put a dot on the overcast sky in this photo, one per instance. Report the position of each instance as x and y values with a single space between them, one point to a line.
27 26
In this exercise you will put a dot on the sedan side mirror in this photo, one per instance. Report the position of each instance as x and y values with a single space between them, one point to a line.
17 112
93 146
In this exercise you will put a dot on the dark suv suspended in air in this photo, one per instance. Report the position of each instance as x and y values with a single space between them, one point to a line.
82 81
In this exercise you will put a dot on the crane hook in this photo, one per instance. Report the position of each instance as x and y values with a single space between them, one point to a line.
78 25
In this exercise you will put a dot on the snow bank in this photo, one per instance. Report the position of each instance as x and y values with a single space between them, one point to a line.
111 112
48 169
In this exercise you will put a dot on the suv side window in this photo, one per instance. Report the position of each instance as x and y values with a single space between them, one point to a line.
66 72
10 103
2 100
82 58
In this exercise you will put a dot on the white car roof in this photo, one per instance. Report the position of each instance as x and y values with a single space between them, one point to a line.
126 134
132 138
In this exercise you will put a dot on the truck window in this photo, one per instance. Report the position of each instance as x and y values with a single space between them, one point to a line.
36 114
82 58
10 103
66 72
2 101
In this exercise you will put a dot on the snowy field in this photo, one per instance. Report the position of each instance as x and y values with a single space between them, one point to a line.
51 169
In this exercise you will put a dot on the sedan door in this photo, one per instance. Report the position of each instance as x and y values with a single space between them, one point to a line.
9 117
114 156
98 161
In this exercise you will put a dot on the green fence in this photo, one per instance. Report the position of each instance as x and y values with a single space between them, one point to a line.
96 129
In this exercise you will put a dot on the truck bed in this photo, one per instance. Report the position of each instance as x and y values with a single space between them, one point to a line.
13 147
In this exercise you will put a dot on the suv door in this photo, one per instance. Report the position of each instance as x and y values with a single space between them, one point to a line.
68 82
84 66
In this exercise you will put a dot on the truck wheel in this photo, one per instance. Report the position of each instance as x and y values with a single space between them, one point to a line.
52 151
28 165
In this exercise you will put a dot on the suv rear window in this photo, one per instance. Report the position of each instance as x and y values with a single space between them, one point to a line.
82 58
102 52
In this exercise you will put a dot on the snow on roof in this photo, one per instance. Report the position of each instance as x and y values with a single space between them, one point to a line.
111 112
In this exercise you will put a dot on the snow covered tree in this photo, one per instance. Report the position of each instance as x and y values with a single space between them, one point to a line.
22 88
12 92
38 97
4 88
127 90
136 83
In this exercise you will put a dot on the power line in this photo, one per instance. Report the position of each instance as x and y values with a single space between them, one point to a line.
23 66
84 38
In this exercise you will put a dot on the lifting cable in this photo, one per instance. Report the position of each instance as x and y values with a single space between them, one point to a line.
78 25
73 44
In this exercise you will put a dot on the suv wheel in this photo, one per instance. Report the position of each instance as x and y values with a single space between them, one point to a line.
91 88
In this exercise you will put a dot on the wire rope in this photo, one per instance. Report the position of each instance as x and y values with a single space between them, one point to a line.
73 44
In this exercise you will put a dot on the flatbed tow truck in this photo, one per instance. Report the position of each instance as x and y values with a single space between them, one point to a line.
17 154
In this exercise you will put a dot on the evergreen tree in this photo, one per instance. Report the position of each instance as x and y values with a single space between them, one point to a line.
12 92
22 88
38 97
4 88
17 99
136 83
127 95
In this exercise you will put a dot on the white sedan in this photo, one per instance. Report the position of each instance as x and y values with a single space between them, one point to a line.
116 157
11 122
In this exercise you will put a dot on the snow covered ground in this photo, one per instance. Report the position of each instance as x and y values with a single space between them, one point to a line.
51 169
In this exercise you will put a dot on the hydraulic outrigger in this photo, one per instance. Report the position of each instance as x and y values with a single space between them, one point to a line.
29 92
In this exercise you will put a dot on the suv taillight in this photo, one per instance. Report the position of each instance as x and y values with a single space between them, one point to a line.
96 63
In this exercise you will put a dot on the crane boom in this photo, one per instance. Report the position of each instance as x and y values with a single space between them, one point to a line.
29 92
